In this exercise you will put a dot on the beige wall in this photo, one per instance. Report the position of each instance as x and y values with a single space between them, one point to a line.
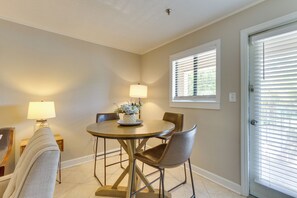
217 146
82 78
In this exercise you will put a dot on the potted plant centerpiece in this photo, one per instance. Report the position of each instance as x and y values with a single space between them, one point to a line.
129 110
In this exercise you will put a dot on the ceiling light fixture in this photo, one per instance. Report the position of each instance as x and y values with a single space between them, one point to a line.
168 11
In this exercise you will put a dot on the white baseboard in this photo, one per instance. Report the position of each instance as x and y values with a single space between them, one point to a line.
77 161
204 173
217 179
84 159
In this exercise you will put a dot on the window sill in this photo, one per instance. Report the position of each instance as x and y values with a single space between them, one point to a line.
195 105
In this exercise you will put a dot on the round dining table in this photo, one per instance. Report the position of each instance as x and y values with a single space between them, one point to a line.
127 136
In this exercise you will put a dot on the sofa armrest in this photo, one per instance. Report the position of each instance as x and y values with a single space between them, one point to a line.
4 180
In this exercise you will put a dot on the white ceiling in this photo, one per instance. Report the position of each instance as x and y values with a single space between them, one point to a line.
136 26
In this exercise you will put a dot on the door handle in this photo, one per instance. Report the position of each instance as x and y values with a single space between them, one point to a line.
254 122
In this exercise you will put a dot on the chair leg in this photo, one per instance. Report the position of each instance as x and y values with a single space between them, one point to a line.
160 187
95 157
104 152
192 181
185 171
95 163
162 182
164 175
105 160
182 183
121 157
142 168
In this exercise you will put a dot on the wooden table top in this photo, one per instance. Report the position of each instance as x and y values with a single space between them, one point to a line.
111 129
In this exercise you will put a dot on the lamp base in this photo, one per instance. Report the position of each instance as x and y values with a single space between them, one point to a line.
40 124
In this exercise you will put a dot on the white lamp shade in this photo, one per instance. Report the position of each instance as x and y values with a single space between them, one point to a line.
138 91
41 110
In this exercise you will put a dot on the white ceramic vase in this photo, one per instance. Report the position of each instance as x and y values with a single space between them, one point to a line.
129 118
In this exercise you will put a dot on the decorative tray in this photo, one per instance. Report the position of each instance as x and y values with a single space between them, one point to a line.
121 122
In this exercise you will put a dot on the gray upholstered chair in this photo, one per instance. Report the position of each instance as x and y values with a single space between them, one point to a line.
35 172
6 143
169 155
100 117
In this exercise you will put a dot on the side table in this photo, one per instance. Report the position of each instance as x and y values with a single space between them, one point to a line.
60 141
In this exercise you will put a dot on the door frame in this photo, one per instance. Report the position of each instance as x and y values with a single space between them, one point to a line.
244 62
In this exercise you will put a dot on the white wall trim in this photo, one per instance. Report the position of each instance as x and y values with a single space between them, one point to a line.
210 102
217 179
84 159
244 54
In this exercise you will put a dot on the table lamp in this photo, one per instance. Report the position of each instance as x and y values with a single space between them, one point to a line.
41 111
138 91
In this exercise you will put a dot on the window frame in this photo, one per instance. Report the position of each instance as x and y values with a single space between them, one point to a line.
202 102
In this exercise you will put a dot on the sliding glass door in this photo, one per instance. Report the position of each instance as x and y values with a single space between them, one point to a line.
273 113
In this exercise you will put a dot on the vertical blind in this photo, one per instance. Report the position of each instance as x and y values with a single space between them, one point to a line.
195 75
275 106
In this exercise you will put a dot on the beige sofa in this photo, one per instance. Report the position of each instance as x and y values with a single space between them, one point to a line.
35 172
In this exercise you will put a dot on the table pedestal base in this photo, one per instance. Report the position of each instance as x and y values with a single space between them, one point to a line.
122 191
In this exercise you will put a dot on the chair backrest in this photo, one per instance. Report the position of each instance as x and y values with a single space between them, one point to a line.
178 149
176 118
35 172
100 117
